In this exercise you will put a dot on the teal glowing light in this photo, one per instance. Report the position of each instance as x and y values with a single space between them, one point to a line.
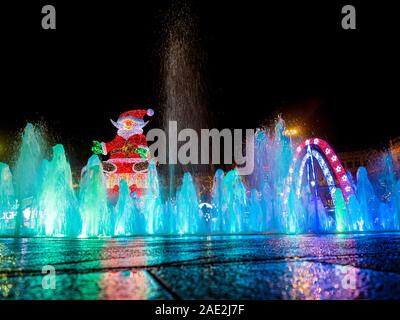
56 212
38 198
94 209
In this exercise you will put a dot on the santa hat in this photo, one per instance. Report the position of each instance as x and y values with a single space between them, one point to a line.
136 115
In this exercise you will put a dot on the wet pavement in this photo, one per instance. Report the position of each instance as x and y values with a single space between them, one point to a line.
219 267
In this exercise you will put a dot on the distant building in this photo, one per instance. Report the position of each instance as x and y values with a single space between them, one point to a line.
352 160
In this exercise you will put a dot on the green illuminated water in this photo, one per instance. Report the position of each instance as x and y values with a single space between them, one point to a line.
37 198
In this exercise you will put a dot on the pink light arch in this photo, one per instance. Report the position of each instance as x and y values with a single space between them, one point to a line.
333 161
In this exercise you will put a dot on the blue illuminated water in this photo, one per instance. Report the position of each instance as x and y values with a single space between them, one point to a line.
38 198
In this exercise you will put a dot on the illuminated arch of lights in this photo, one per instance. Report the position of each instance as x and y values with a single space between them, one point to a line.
314 148
325 170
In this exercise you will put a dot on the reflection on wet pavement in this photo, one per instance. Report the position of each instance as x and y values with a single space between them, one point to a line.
218 267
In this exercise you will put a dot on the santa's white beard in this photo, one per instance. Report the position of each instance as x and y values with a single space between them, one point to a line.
126 134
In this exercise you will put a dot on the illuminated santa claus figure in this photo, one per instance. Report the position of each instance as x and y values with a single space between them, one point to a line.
129 153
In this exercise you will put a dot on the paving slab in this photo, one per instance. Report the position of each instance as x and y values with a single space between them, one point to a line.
362 266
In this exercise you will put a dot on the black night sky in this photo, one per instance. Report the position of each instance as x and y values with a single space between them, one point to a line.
260 59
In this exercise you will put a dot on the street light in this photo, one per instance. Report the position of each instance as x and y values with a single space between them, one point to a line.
291 132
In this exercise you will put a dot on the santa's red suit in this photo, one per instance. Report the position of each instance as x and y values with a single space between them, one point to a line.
129 153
